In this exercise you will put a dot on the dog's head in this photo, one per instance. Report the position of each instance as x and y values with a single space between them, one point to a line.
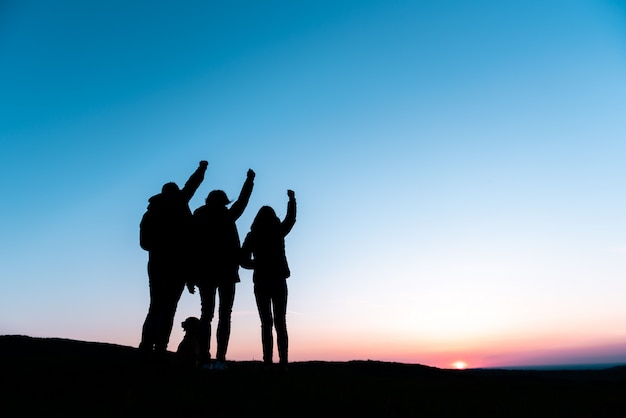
191 325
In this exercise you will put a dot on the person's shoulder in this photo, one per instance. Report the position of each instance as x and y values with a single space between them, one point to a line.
199 211
155 201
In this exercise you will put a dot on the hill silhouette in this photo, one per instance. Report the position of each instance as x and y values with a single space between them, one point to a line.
66 378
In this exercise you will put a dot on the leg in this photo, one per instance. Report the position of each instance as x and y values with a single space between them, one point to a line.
165 290
227 298
173 290
149 330
263 303
207 300
158 292
279 302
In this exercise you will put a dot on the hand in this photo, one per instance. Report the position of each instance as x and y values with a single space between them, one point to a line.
191 287
291 194
204 164
251 174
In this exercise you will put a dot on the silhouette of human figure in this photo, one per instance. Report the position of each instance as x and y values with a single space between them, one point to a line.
165 232
263 250
217 265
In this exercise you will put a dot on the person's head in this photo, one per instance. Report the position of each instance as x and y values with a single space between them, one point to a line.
170 189
265 219
217 198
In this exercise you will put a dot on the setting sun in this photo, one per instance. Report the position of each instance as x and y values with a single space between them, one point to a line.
460 365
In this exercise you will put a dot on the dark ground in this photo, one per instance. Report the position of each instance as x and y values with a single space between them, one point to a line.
66 378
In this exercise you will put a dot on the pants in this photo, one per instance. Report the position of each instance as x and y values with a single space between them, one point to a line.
271 301
166 287
207 297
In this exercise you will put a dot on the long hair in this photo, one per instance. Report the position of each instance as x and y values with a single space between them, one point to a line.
265 221
266 227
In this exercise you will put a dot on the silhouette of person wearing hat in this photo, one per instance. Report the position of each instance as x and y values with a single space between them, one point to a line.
217 265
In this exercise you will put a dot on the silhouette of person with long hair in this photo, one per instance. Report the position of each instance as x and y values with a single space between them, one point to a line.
217 265
263 250
165 232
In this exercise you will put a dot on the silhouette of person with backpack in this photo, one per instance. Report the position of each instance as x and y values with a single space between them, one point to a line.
217 265
263 250
165 232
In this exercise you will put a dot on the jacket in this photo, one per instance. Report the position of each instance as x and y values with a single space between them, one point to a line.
265 251
216 239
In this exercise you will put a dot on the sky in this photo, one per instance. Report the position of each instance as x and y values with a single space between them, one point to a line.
459 168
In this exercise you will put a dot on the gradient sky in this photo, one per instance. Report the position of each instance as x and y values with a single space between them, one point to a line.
459 168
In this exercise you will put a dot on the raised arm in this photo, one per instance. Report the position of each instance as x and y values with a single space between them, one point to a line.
290 218
194 181
244 196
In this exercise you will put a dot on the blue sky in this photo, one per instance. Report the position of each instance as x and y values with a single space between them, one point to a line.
458 167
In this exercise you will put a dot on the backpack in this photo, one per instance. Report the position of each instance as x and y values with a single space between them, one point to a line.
165 225
147 230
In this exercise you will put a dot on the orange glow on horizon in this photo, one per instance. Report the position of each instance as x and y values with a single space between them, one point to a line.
459 365
485 352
